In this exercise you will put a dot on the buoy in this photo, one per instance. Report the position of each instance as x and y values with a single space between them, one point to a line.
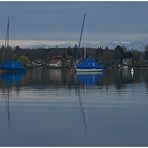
132 70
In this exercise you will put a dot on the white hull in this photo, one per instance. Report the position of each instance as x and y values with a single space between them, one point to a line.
88 70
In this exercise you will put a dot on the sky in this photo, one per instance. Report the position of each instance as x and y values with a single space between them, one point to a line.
57 21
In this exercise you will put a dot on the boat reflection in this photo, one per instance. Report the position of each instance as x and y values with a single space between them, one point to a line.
9 80
12 78
88 78
85 79
6 96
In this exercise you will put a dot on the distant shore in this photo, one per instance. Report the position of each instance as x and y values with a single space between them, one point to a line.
61 58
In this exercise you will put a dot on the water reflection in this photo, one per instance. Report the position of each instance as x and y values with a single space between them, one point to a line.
66 112
12 78
88 78
85 79
8 81
5 96
57 78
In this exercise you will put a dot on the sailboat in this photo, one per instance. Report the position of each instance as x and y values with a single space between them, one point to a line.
10 65
87 64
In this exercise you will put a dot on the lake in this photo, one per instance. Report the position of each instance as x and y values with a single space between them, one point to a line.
63 108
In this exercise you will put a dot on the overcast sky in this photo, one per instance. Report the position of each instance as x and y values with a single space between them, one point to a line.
62 20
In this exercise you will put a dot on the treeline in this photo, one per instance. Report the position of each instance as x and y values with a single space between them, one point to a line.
108 57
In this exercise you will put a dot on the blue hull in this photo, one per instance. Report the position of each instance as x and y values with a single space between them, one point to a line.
5 69
12 66
88 65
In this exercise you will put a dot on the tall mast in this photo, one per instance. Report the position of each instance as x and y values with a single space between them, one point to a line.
6 41
85 38
7 35
81 34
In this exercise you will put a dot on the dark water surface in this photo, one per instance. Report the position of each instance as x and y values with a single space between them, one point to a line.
61 108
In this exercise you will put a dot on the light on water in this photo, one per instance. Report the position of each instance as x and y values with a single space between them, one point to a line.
62 108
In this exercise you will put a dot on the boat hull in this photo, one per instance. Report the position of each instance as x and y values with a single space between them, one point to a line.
11 71
12 66
88 65
89 70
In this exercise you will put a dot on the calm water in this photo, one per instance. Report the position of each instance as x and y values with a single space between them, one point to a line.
61 108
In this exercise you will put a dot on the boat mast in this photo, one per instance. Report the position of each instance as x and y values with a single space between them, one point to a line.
85 38
7 35
6 41
81 34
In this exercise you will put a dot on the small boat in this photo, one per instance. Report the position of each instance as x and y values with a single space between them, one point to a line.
10 65
87 64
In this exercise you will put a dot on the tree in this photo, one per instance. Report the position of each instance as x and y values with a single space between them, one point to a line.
128 55
17 48
106 48
108 58
118 53
136 55
99 54
23 59
64 55
75 50
146 53
69 51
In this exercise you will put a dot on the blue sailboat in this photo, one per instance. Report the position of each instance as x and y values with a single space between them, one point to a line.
10 65
87 64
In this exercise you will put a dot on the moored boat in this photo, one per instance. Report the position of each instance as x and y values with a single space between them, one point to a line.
10 65
87 64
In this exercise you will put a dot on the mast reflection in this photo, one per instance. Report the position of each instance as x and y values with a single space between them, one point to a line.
85 79
9 80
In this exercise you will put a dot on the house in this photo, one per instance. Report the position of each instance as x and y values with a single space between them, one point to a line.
55 62
38 62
